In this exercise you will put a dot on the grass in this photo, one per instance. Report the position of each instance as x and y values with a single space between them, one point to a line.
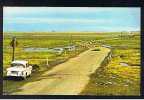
39 58
110 79
114 79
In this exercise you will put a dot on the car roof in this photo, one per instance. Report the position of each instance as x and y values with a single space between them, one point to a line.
20 62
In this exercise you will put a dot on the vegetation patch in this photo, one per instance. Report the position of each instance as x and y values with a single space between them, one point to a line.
37 59
114 79
111 78
96 49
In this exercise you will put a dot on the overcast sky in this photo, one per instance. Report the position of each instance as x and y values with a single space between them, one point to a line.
43 19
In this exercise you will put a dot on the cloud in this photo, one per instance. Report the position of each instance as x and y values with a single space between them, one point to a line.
22 20
17 10
77 18
121 28
13 11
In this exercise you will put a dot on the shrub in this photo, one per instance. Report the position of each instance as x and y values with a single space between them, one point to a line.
35 67
96 50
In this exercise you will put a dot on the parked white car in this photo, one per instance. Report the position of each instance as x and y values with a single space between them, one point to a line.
19 68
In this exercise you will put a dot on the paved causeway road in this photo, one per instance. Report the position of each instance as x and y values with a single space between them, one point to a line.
68 78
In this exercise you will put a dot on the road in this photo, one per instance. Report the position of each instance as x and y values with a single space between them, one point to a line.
68 78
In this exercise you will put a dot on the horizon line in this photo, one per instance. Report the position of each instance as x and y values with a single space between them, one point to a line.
67 31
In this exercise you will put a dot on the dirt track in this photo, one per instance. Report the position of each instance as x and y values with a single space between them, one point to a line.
68 78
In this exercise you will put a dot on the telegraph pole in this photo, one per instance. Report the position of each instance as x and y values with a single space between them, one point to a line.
13 44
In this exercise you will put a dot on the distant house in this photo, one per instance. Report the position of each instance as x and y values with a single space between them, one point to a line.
70 48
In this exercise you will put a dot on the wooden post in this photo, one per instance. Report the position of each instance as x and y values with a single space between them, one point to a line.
47 61
13 46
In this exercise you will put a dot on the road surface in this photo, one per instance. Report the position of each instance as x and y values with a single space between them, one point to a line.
68 78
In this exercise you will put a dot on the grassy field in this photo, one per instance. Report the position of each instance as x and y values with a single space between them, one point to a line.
115 78
44 40
25 41
109 79
39 58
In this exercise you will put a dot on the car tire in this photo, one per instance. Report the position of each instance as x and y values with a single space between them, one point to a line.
28 75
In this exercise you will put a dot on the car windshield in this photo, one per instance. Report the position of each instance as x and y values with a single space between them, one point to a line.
17 65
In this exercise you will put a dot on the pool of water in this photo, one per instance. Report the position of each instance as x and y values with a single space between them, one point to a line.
52 50
37 49
56 49
123 64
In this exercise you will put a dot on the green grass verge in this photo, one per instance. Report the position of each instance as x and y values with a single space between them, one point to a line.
114 79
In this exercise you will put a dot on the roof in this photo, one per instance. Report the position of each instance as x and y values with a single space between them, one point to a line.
20 62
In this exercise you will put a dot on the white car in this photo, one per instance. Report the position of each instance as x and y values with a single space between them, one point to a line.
19 68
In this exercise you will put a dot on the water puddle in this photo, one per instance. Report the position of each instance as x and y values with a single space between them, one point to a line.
123 64
56 49
52 50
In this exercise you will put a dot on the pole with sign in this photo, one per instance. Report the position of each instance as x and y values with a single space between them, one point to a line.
13 44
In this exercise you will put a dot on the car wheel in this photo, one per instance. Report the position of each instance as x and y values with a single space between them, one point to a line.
28 76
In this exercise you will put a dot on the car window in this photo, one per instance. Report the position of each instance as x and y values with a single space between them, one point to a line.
18 65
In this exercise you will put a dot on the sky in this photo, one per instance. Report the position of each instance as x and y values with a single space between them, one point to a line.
71 19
